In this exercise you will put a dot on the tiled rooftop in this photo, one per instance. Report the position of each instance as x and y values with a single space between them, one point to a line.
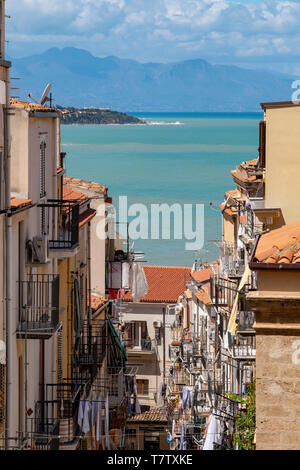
18 203
281 246
70 194
86 216
153 415
28 106
166 283
201 276
203 295
82 184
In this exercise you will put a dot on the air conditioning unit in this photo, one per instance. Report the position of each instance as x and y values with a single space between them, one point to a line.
37 250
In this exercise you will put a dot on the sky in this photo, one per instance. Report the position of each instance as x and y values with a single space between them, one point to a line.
261 34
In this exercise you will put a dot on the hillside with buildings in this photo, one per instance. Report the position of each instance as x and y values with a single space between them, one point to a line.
71 115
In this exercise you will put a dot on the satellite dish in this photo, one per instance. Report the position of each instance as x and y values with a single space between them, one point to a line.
45 98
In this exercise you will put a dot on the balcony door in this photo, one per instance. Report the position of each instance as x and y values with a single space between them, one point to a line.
135 334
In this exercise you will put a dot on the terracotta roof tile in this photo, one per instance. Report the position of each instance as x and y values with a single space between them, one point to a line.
204 296
188 294
28 106
17 203
279 246
201 276
97 302
153 415
85 184
252 162
166 283
70 194
86 216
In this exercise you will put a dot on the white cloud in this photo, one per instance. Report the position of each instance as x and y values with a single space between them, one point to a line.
158 29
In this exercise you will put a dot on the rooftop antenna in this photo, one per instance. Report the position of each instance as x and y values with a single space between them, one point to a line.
45 98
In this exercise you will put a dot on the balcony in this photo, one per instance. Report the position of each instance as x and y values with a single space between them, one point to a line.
249 176
245 320
44 427
145 347
177 336
65 242
244 352
92 347
233 266
223 292
38 306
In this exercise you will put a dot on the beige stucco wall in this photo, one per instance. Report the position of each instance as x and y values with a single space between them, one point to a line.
288 281
229 224
283 161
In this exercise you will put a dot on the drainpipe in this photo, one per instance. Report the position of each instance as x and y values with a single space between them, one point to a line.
164 343
8 262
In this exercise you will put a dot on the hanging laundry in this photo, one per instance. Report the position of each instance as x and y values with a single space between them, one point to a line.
86 416
139 284
99 418
125 276
213 434
137 406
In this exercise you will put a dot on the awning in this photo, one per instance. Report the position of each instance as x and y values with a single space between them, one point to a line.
117 340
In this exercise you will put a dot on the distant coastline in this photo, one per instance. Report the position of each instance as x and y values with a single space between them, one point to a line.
71 115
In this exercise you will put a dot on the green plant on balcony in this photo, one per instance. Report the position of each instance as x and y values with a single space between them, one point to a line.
245 421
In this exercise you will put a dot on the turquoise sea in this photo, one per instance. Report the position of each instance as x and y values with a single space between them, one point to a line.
177 158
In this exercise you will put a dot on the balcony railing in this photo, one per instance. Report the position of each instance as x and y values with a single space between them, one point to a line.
145 346
44 427
243 351
223 292
92 347
38 306
232 265
67 213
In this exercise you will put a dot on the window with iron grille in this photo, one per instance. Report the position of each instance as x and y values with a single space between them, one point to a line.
42 168
142 387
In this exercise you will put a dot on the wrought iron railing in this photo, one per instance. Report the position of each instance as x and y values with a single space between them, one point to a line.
145 345
44 427
38 305
92 347
67 213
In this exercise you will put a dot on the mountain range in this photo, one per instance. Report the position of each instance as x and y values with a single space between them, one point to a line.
82 80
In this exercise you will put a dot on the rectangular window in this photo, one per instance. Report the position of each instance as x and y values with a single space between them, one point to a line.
142 387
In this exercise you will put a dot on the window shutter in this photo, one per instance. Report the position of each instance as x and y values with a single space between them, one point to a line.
262 144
